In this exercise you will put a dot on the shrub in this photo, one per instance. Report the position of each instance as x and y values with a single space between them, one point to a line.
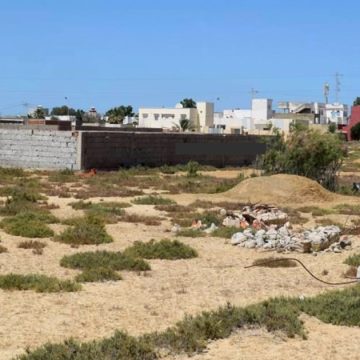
39 283
194 233
193 333
153 200
353 260
347 209
306 153
120 346
108 212
355 132
88 231
28 224
31 244
315 211
3 249
335 307
273 262
104 259
163 249
225 232
63 176
208 218
147 220
99 274
192 169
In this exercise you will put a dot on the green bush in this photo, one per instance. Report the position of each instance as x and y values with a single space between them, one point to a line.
163 249
87 231
355 132
120 347
38 283
192 168
194 233
225 232
108 212
306 152
98 274
63 176
31 244
28 224
104 259
353 260
153 200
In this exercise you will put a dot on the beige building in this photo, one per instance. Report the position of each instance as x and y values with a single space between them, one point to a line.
200 118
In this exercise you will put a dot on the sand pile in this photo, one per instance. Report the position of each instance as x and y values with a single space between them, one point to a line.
280 189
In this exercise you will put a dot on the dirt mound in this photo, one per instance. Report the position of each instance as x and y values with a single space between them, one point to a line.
280 189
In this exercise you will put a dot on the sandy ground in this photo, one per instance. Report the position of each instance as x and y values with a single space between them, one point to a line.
240 346
140 304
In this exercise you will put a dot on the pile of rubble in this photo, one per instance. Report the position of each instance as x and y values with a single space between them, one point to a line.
266 227
283 239
259 216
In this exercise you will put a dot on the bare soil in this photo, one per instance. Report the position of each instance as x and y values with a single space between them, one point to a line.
144 303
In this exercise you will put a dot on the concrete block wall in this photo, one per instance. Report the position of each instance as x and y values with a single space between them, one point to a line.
111 150
40 149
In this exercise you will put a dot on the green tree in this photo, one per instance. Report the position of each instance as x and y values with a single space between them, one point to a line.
355 132
332 128
39 113
185 125
306 152
188 103
63 111
357 101
117 115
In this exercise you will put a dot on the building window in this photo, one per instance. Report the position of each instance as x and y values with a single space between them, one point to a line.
145 116
183 116
156 116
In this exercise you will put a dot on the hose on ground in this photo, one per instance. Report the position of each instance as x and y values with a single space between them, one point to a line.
270 261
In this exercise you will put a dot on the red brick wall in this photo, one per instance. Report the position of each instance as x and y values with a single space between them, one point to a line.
354 119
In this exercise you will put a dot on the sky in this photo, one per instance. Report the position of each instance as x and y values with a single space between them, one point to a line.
106 53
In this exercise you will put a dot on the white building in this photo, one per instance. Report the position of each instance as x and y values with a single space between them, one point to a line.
337 113
238 121
323 113
201 118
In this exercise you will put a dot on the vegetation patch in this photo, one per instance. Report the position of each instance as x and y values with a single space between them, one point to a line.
163 249
305 152
146 220
31 244
274 262
353 260
38 283
225 232
29 224
194 333
88 231
348 209
194 233
153 200
63 176
295 217
11 175
104 259
108 212
98 274
316 211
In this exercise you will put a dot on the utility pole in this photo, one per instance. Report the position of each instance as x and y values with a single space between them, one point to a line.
338 77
